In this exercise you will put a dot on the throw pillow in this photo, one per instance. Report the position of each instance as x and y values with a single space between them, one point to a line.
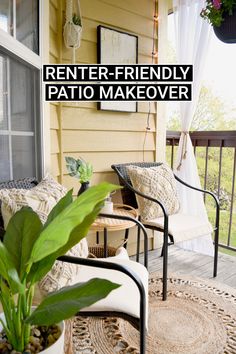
156 182
42 199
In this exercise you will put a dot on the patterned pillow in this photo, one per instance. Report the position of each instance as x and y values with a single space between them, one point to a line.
156 182
42 199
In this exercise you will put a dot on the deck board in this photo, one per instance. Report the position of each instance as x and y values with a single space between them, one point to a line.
187 262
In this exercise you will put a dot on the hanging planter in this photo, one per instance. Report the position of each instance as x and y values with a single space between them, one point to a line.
73 27
221 14
226 32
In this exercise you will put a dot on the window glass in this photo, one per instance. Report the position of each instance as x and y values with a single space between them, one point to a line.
20 18
27 23
4 159
3 93
6 16
19 139
23 156
22 96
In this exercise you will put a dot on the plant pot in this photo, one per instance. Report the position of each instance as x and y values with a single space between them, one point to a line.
227 31
57 347
83 188
72 35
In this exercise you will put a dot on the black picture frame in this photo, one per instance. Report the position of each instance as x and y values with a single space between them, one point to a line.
110 44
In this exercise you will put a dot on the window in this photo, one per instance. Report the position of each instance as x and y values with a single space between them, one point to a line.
19 93
19 18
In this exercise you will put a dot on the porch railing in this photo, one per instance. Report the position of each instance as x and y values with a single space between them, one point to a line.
215 153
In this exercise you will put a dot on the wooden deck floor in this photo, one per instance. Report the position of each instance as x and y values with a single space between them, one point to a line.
188 262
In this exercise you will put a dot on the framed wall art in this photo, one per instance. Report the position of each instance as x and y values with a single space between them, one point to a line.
116 47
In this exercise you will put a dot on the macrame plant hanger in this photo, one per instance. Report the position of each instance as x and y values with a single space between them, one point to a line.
72 32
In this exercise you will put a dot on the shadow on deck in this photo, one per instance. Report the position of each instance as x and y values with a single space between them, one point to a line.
187 262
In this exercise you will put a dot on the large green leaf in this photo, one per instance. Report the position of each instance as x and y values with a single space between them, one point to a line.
22 231
66 302
8 271
57 233
42 267
61 205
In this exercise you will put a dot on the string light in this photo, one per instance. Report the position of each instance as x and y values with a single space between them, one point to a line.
154 40
154 54
156 18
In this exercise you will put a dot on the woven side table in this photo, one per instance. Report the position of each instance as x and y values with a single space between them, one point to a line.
107 224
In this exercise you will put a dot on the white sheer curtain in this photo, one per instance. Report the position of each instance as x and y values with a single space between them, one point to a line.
192 38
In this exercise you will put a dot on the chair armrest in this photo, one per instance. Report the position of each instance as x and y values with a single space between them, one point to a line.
117 267
199 190
105 265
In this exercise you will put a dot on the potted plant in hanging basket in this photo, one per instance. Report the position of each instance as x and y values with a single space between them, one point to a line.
73 31
81 170
27 253
222 16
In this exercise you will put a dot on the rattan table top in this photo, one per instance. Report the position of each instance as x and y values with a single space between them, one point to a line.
116 224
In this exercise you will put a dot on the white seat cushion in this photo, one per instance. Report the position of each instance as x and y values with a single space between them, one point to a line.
125 299
183 227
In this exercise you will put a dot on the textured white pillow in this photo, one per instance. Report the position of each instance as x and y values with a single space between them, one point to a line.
156 182
42 199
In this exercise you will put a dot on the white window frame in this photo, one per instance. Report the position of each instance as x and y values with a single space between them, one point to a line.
16 48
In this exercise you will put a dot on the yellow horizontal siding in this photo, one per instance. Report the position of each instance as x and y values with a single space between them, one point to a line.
54 142
99 141
53 18
102 161
84 119
107 14
54 124
55 169
54 49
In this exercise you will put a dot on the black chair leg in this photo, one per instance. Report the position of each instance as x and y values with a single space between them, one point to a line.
216 252
138 244
126 238
142 322
97 237
216 239
165 263
169 244
105 243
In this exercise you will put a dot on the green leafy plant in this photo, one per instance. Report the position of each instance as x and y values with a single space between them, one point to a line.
28 252
216 9
76 20
79 169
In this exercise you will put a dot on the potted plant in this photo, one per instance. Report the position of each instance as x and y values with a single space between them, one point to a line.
81 170
73 31
27 253
222 16
76 20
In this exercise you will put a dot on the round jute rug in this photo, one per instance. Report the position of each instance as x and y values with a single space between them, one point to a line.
197 318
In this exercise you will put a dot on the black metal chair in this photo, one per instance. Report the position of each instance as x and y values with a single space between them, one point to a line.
128 196
138 323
